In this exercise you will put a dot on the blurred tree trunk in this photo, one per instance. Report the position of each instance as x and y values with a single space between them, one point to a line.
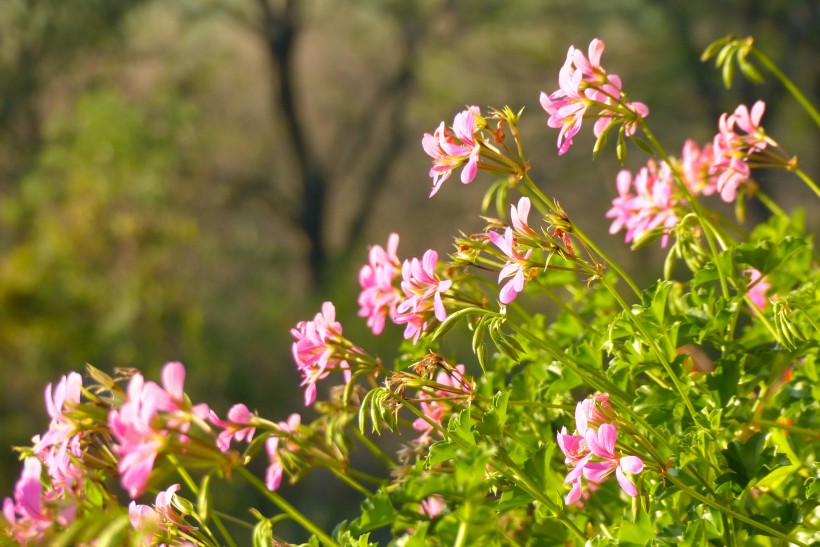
282 24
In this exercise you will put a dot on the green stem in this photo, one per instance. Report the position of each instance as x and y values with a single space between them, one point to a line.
519 478
791 428
533 188
350 482
735 514
192 485
375 450
650 340
810 183
769 203
233 519
291 511
463 527
788 84
709 230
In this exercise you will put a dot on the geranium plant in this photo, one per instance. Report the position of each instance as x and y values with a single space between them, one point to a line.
681 413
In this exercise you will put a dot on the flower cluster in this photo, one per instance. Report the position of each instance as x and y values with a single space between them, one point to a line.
591 451
379 297
422 295
653 200
517 263
740 139
583 83
319 348
142 425
454 147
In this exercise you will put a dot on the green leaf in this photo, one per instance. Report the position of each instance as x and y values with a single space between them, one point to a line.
442 451
639 532
377 512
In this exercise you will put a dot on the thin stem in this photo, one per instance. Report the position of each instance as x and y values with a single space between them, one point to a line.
291 511
192 485
769 203
463 527
790 428
582 236
788 84
351 482
810 183
709 229
233 519
375 450
650 340
723 509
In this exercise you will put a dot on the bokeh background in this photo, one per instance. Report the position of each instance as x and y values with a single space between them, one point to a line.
186 180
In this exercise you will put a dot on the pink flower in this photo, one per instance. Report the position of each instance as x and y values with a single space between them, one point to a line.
590 453
235 428
583 83
739 138
60 428
518 218
514 268
318 349
422 290
139 431
453 148
432 506
153 522
379 297
602 444
695 164
273 475
651 206
757 288
26 513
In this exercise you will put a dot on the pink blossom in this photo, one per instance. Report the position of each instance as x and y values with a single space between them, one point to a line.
26 513
651 206
757 288
60 428
591 454
153 522
432 506
275 471
138 430
422 290
237 427
518 218
379 297
318 349
515 266
695 164
739 137
582 84
602 444
453 148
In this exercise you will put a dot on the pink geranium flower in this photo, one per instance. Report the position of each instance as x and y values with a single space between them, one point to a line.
152 523
139 430
275 471
379 296
456 147
652 205
422 291
514 268
237 427
320 348
582 84
739 139
26 513
758 287
591 454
